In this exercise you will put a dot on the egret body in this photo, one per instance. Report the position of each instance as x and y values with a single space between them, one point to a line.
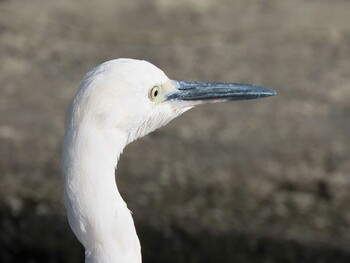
117 102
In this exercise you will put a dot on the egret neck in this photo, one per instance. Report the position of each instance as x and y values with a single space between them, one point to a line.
105 226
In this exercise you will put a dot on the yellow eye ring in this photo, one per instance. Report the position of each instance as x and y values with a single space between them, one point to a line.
154 92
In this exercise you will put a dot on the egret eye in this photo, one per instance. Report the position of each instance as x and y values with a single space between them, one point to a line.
154 92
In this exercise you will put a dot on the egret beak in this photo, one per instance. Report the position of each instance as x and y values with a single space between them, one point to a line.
194 93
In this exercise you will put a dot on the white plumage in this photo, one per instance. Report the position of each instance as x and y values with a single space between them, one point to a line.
118 102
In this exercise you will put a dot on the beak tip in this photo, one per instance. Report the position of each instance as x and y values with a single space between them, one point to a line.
271 92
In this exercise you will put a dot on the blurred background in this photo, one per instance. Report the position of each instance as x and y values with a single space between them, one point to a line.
250 181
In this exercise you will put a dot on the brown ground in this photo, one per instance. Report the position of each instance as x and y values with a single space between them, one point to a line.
254 181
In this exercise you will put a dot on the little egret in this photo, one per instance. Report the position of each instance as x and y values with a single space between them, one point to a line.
117 102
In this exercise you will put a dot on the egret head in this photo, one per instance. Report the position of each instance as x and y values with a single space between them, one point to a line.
137 97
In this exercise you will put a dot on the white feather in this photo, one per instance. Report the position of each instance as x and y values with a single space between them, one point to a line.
111 109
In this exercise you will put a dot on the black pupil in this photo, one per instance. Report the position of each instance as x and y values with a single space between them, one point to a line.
155 93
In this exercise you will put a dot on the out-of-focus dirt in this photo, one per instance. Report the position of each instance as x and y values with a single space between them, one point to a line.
253 181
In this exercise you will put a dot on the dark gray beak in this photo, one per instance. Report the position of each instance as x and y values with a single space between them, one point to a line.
195 93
